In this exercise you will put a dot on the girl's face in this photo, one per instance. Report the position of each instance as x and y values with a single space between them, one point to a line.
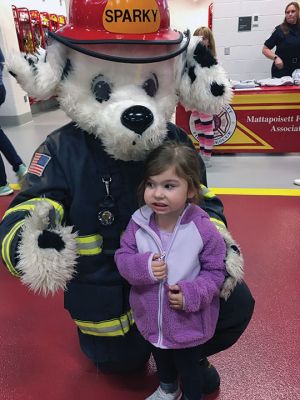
167 193
291 15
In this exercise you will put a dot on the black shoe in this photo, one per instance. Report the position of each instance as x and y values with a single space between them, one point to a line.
211 377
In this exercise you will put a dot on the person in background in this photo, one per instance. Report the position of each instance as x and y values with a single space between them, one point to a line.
286 38
173 257
204 123
6 146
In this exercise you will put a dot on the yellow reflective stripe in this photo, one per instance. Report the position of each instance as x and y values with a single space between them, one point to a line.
106 324
110 334
218 224
209 194
58 208
18 208
29 205
90 245
6 248
114 327
91 252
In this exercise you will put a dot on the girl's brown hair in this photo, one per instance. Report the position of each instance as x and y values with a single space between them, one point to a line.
285 26
206 33
178 155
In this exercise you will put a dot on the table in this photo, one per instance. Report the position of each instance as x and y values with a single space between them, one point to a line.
258 120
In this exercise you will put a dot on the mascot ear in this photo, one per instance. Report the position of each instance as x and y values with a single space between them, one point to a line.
39 74
203 84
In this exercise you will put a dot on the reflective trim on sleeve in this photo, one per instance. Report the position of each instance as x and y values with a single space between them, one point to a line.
114 327
218 223
6 248
207 193
90 245
29 205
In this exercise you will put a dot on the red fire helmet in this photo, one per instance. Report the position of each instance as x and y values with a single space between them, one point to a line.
131 22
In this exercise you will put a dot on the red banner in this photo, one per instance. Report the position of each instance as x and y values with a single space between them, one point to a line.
258 120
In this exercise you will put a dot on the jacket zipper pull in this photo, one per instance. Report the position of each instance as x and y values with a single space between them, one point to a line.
162 257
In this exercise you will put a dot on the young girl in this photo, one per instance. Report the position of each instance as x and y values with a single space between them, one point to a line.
173 257
204 124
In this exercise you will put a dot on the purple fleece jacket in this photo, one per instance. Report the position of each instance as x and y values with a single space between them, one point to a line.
195 260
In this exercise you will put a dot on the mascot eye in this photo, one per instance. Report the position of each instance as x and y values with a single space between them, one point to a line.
101 88
151 86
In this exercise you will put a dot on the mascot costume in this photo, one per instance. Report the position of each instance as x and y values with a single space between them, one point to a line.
118 71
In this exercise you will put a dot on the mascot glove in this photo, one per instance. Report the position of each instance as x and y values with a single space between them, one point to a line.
204 85
234 264
46 267
36 76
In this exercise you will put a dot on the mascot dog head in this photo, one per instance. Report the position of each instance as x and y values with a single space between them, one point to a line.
118 71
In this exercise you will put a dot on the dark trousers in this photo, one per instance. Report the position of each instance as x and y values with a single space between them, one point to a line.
234 317
9 152
6 148
183 363
287 70
117 354
129 352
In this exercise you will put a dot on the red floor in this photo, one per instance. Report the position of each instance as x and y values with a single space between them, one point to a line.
40 356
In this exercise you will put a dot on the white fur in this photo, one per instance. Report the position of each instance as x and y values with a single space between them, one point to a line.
104 119
43 83
197 95
45 270
234 265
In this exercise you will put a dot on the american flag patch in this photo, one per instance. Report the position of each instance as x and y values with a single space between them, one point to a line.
38 164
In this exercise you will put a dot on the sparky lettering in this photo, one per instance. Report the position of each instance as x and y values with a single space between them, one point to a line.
135 15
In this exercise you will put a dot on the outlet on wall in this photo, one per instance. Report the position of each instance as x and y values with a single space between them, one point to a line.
255 21
227 51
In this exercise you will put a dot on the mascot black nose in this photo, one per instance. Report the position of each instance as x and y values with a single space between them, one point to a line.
137 118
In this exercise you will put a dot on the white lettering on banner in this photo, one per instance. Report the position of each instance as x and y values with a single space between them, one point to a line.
271 120
279 119
283 129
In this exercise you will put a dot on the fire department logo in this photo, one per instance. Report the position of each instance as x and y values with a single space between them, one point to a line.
224 125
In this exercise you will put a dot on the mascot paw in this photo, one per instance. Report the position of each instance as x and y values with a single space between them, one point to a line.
35 73
49 239
18 66
234 265
204 85
47 253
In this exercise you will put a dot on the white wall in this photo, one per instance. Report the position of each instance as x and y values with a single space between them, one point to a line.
50 6
188 14
16 102
184 14
245 60
16 108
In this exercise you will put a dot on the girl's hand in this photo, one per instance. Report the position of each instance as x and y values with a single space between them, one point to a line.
176 298
159 267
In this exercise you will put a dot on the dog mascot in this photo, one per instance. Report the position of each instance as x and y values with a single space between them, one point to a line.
117 70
